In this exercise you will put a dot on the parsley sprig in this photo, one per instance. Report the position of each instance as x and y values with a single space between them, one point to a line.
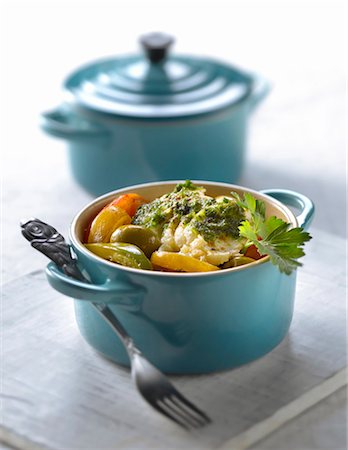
271 236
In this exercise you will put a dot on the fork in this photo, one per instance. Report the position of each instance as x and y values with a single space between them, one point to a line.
152 384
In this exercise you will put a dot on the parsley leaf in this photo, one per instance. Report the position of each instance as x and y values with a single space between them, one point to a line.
271 236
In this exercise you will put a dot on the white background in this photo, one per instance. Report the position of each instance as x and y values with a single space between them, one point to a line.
297 137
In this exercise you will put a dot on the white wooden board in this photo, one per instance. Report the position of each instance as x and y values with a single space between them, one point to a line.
58 393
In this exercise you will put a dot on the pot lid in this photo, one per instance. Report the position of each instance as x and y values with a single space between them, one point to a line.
156 84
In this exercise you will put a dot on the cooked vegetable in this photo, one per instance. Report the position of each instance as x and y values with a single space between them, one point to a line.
106 222
237 261
129 202
144 238
252 252
188 231
180 263
272 236
126 254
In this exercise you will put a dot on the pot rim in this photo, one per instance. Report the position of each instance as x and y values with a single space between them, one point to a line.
108 196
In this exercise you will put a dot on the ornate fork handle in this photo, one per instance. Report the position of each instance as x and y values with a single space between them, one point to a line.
47 240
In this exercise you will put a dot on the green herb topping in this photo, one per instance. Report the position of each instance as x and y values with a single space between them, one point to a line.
218 219
272 236
242 218
188 204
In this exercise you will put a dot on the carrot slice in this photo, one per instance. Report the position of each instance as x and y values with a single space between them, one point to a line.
129 202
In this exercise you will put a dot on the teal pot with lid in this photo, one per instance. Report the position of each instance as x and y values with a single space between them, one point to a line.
185 322
155 116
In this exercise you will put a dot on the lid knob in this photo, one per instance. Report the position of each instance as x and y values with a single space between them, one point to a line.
156 45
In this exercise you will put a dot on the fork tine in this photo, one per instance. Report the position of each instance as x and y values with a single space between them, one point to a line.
192 415
174 406
164 411
191 406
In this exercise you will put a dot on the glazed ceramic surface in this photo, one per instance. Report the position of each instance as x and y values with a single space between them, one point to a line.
212 148
136 119
192 322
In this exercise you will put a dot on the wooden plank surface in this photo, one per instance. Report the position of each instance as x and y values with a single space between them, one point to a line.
323 427
59 394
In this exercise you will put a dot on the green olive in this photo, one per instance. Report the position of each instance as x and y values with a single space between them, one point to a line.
237 261
144 238
125 254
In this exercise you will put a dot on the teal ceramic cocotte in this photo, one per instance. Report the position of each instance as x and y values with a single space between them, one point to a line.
155 116
185 322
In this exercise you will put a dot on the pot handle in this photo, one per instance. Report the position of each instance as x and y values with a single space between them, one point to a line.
156 46
63 123
116 292
260 90
299 201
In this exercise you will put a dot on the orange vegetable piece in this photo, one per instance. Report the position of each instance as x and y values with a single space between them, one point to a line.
106 222
129 202
180 263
